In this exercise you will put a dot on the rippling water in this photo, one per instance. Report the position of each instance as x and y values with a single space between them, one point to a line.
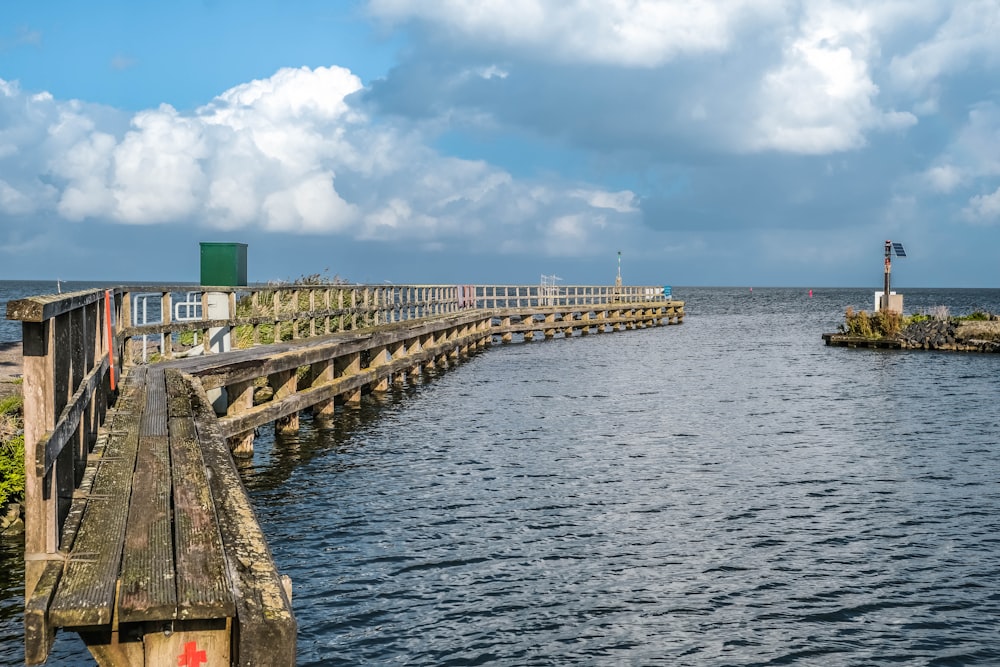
726 492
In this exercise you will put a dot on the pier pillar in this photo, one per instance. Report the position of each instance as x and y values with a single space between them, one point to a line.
284 384
240 400
412 349
322 373
380 357
349 364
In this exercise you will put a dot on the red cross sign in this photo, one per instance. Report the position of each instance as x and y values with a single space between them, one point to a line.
191 657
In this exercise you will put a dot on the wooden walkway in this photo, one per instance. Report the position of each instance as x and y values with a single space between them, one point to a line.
145 571
140 535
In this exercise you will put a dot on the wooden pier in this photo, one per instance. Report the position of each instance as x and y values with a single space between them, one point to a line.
140 535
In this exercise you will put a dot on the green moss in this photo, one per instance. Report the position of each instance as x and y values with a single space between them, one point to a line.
11 449
12 470
977 316
915 318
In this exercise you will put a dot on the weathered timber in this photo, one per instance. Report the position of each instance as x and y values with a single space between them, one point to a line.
38 632
41 308
266 629
844 340
147 571
266 413
161 537
86 594
203 590
247 365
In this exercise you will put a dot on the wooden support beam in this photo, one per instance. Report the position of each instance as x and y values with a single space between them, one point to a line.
323 372
379 357
266 629
284 384
240 400
347 365
40 495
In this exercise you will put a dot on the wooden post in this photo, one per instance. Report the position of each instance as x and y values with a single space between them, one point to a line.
240 400
41 536
276 305
380 357
398 352
452 337
412 348
427 342
323 373
165 302
349 364
284 385
254 310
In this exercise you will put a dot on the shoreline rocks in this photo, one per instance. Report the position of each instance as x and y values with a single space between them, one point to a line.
934 334
963 336
12 520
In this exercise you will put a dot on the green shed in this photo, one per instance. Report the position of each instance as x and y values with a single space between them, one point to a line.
224 264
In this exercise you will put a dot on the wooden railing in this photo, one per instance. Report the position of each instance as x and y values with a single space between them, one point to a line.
70 352
269 314
76 344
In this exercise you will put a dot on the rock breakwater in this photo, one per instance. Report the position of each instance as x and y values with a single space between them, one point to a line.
965 336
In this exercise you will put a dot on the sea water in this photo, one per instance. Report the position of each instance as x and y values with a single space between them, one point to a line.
725 492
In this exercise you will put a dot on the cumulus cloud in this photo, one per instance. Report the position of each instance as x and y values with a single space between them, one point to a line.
943 178
984 209
725 75
821 98
643 33
287 154
968 34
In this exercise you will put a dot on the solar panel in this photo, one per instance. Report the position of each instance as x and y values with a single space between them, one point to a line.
898 247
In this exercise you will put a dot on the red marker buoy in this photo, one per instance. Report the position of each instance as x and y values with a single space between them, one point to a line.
810 294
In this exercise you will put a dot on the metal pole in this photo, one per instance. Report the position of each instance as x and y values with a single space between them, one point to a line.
888 270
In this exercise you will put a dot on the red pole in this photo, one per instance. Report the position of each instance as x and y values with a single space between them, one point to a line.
111 348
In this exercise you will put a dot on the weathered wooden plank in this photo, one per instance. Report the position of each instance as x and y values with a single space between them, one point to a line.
41 534
266 413
203 588
86 593
52 443
191 643
41 308
148 591
148 574
38 633
266 626
245 365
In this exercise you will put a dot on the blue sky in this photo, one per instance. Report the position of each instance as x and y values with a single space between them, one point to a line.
712 142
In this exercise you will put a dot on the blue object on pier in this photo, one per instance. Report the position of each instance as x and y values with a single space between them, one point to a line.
666 291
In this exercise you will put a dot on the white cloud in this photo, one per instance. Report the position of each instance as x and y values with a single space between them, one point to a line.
969 34
13 201
984 209
821 98
286 154
944 178
643 33
623 201
969 161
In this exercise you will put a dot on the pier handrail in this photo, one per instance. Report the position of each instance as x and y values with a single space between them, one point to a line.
67 391
269 313
67 368
74 344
